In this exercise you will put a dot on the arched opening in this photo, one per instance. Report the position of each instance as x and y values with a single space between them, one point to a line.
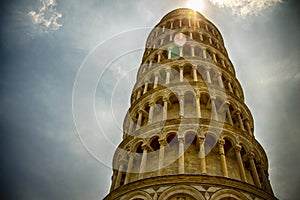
173 107
189 105
234 116
176 24
221 108
212 155
186 50
205 106
158 110
145 113
191 160
188 72
196 36
171 154
214 77
209 143
185 22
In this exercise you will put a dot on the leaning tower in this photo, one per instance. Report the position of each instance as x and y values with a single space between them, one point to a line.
188 135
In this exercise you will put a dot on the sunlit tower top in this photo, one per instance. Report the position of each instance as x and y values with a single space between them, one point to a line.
188 133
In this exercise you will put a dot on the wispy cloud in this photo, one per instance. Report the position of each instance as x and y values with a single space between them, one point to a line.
246 7
47 16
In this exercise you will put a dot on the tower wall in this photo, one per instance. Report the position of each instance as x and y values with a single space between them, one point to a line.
188 133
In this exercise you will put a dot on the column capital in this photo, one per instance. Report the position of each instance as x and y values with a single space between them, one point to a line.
201 139
251 155
162 142
151 103
181 139
165 99
238 111
145 147
212 97
238 148
219 73
181 96
168 69
221 142
156 73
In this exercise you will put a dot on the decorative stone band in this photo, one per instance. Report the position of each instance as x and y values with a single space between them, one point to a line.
199 186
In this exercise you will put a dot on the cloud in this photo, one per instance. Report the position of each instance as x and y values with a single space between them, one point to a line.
47 16
245 7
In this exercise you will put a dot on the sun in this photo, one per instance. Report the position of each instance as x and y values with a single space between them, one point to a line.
195 4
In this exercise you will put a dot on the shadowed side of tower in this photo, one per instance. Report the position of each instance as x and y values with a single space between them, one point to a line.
188 133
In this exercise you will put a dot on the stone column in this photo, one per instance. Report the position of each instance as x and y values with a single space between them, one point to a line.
238 149
131 122
198 110
193 50
230 87
223 158
214 58
254 171
143 162
181 155
150 116
220 81
210 41
265 180
162 144
165 109
155 81
240 120
150 63
208 75
119 176
129 168
139 121
158 58
180 51
181 74
248 128
171 25
201 38
145 88
190 24
169 53
181 105
223 63
162 41
202 155
213 108
195 73
180 23
138 94
228 114
204 51
168 75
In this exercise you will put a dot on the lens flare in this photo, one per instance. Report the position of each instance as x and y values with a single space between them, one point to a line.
196 5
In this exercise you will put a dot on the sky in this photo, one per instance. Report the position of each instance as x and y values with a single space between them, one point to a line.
68 68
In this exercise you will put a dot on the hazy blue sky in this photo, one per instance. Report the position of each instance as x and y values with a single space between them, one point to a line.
45 44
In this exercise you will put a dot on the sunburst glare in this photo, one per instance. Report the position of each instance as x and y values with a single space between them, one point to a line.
195 4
